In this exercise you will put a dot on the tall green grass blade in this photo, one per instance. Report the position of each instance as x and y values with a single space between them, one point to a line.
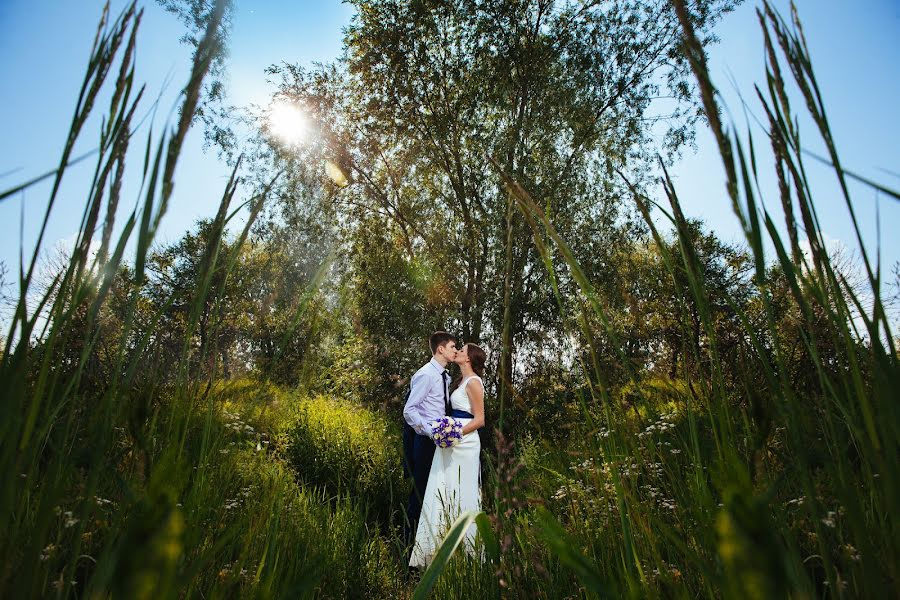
34 181
563 546
491 545
872 184
444 553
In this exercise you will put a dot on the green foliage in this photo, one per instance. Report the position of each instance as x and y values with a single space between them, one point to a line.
757 442
393 299
262 316
442 557
408 120
350 451
692 419
121 477
352 371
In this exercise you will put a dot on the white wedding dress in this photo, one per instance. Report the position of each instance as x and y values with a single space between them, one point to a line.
453 487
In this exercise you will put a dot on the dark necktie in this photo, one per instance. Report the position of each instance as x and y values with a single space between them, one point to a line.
444 376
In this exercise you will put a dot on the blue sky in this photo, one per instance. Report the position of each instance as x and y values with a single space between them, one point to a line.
45 43
855 47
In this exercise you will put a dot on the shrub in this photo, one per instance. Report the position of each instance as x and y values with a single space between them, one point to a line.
348 450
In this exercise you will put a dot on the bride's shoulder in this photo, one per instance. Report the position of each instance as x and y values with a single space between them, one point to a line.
474 378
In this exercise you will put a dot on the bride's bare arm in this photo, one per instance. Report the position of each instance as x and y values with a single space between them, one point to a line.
475 391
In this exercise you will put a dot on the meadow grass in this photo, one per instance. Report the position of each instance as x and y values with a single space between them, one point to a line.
749 486
721 485
351 451
139 485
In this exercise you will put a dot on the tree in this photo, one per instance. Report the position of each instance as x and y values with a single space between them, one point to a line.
560 95
260 313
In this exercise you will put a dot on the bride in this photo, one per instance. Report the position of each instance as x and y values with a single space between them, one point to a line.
453 482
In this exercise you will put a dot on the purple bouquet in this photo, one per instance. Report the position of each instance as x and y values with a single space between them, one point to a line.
446 432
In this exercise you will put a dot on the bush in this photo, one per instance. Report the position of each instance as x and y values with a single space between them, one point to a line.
306 543
350 451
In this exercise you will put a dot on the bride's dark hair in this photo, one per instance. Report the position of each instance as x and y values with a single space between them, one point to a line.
477 357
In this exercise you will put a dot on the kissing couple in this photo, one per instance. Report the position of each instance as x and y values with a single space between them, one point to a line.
441 446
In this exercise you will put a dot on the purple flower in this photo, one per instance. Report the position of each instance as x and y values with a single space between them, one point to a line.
446 432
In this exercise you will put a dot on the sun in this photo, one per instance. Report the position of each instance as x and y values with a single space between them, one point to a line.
289 123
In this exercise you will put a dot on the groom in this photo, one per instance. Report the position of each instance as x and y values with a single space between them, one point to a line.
428 400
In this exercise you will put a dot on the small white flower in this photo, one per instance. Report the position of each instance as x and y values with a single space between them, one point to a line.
47 552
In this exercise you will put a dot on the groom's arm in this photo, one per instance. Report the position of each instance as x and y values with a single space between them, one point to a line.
420 385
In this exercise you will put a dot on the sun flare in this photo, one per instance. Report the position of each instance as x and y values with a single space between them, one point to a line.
289 123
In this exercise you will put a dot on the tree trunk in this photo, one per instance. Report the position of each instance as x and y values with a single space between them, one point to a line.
226 364
506 339
478 312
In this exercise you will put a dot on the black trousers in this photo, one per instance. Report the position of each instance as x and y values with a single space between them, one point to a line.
418 454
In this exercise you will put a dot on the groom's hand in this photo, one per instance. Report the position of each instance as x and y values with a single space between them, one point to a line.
434 428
